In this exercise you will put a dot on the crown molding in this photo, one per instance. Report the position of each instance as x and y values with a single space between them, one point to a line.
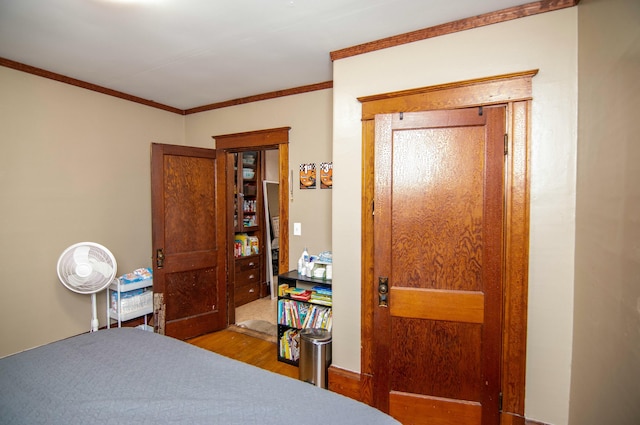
490 18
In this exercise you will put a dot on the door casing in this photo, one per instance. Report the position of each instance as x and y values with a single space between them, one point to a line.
274 138
513 91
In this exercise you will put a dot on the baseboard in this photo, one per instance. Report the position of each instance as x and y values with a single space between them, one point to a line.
344 382
507 418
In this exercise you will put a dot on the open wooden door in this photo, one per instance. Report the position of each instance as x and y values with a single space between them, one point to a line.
188 210
438 264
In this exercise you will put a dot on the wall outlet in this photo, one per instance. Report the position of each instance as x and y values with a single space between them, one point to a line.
297 229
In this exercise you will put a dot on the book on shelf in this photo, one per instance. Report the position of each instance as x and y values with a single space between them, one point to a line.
298 294
302 315
290 345
292 313
320 299
282 288
322 290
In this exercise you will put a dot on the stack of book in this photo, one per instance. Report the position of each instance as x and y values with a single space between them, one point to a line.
299 294
321 295
290 345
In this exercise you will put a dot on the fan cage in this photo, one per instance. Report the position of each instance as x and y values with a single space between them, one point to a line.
102 272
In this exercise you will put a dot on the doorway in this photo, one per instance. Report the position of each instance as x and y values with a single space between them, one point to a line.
274 144
258 316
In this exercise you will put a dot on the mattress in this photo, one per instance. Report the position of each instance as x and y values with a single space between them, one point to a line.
131 376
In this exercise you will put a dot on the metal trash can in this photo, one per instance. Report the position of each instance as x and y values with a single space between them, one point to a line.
315 356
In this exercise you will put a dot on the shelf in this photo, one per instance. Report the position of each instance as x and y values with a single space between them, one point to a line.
126 287
248 256
131 315
248 271
315 302
294 275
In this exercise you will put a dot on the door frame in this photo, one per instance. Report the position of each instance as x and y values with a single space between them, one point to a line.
267 139
513 91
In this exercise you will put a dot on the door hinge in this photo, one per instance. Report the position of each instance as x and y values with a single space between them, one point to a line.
506 144
500 402
373 208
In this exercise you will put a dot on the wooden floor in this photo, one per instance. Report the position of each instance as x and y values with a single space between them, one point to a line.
246 349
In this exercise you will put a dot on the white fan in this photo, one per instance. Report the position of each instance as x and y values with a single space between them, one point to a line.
87 268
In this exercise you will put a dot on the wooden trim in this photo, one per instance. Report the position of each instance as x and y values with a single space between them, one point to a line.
478 21
406 407
437 304
82 84
499 89
367 239
263 96
511 419
104 90
251 139
517 265
344 382
283 205
231 287
532 422
479 92
273 138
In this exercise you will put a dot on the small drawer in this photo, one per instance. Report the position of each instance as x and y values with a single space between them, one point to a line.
247 276
247 263
246 293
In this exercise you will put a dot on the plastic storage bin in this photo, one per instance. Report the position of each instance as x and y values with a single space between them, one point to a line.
315 356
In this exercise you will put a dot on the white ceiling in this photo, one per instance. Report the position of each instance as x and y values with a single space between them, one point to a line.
190 53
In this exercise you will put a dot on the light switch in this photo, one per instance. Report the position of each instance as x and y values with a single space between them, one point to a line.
297 229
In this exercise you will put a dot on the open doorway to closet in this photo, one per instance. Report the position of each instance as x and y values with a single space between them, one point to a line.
252 158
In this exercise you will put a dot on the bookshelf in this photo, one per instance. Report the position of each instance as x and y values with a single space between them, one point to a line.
303 302
249 273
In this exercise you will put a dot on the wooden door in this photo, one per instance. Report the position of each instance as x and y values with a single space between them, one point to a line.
189 240
438 238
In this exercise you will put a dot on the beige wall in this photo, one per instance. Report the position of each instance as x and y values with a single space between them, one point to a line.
605 384
309 116
547 42
74 167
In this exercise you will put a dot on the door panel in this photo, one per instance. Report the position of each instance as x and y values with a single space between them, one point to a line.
189 219
438 232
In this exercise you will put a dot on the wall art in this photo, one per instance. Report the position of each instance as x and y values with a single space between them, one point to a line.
308 176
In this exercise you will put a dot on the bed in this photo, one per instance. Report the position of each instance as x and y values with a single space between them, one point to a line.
127 375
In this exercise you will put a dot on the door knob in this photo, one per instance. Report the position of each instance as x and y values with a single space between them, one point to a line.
160 258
